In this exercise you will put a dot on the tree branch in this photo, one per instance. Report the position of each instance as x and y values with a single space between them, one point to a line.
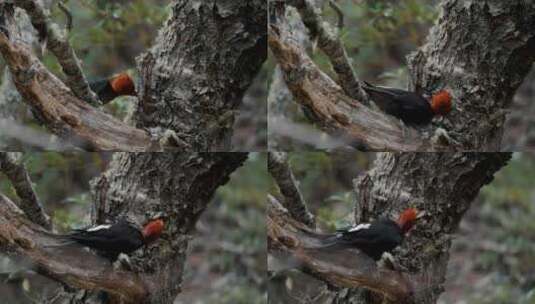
332 46
293 199
178 185
443 185
336 113
60 47
29 202
77 267
344 267
481 89
64 114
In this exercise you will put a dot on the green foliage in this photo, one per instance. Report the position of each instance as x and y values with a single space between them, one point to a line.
231 241
379 34
61 182
507 215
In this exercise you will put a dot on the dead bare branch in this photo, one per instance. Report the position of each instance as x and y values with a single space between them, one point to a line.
293 199
336 113
61 48
72 119
332 46
11 166
344 268
22 239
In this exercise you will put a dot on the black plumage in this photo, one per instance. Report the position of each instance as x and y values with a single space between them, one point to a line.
109 240
104 90
373 239
410 107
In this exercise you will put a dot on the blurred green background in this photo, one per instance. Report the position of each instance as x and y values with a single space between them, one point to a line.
493 256
227 256
107 35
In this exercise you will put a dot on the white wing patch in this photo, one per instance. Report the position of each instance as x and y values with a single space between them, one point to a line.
97 228
359 227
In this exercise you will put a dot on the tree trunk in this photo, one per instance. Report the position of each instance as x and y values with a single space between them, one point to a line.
138 186
479 51
443 185
180 186
192 80
194 77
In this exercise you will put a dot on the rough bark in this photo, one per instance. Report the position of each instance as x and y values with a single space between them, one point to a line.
194 77
330 108
192 81
139 186
11 105
178 185
342 268
279 168
284 134
59 45
479 51
11 166
27 242
443 185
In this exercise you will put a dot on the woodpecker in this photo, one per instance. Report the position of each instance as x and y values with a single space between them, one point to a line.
411 108
109 89
376 238
113 239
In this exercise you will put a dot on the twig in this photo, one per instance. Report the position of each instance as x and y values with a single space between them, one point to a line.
29 202
338 12
68 15
344 267
336 113
61 48
332 46
74 266
293 199
64 114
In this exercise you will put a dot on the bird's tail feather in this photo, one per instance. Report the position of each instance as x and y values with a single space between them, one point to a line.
63 241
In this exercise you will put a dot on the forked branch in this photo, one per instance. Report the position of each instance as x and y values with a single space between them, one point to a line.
335 112
75 266
344 267
11 166
67 116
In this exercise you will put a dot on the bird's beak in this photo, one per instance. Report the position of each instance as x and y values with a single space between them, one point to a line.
421 214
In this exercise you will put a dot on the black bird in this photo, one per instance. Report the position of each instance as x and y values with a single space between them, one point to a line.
111 240
411 108
373 239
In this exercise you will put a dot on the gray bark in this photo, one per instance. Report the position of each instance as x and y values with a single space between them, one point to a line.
15 170
11 106
194 77
279 168
180 186
443 185
139 186
480 51
192 82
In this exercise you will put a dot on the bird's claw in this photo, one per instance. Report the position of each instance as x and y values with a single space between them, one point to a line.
123 263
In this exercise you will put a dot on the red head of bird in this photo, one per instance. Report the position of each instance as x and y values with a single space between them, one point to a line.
441 102
152 230
123 84
407 219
